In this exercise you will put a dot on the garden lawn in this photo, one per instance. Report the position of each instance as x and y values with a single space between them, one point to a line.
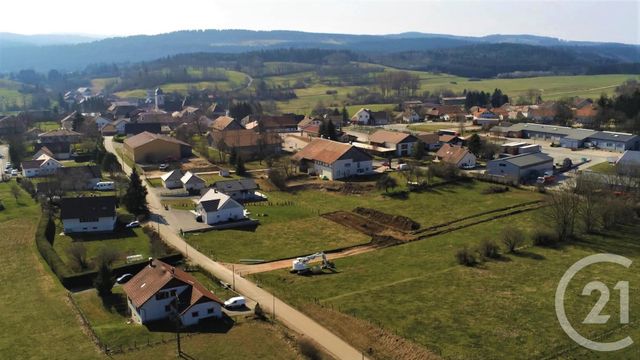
501 309
290 223
124 242
37 320
603 168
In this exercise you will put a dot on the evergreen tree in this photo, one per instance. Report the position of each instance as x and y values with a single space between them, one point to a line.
110 163
331 130
78 120
135 199
475 144
418 150
345 115
240 169
50 231
233 156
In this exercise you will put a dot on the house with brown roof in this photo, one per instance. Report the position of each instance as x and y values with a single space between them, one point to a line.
333 160
273 123
456 155
60 135
160 291
431 141
149 148
400 141
223 123
249 144
586 114
42 166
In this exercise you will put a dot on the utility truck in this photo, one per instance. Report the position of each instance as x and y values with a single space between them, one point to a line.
301 265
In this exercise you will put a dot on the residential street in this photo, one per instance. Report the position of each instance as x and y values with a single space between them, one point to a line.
289 316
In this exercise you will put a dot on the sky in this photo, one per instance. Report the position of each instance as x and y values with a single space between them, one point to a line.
617 21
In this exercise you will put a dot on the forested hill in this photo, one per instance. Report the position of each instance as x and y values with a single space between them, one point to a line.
493 54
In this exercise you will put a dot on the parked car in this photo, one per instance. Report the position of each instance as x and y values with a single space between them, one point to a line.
402 167
386 163
104 186
14 172
163 166
124 278
235 302
468 166
133 224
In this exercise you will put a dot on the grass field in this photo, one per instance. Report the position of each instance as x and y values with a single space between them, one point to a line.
10 95
292 225
36 318
501 309
603 168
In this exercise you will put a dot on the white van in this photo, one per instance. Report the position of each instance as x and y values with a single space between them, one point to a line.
235 302
104 186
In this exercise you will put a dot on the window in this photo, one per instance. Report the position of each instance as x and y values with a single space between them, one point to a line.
162 295
194 314
167 308
502 165
88 219
347 165
210 311
173 293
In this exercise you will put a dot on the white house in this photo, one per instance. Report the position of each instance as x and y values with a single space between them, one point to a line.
362 117
172 179
402 142
215 207
43 151
456 155
88 214
192 182
239 189
101 122
160 291
410 116
333 160
43 166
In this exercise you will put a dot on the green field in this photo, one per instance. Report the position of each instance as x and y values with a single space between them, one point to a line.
603 168
37 320
501 309
10 95
290 224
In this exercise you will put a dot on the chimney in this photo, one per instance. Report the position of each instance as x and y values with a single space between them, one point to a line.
150 262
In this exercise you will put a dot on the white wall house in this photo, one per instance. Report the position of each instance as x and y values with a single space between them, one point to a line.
172 179
333 160
160 291
192 182
88 214
43 166
215 207
362 117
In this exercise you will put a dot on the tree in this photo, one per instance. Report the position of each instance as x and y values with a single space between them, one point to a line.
78 256
345 115
278 178
50 230
78 120
110 163
15 191
512 238
17 149
418 150
475 144
386 182
562 211
587 188
240 169
104 280
135 199
233 156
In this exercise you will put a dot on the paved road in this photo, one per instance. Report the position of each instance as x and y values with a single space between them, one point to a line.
286 314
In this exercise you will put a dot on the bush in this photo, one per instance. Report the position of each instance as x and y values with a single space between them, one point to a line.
445 171
489 249
309 349
544 238
466 257
1 205
495 189
512 238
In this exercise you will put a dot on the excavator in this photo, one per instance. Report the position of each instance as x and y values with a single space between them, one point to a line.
301 265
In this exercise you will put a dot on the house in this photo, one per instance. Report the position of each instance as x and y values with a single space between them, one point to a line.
172 179
148 147
137 128
43 166
362 117
60 150
42 151
249 144
456 155
60 135
160 292
239 190
273 123
400 141
10 125
522 167
88 214
543 113
215 207
457 100
629 163
614 141
410 116
333 160
79 177
122 109
224 123
192 182
431 141
585 113
101 122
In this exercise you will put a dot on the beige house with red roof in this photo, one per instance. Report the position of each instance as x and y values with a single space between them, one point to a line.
147 147
456 155
333 160
400 141
160 291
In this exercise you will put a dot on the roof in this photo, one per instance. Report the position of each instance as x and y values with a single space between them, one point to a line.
57 147
629 156
155 276
578 134
44 150
245 138
94 206
147 137
329 151
213 200
31 164
526 160
137 128
235 185
393 137
452 154
76 172
277 121
191 177
447 138
428 138
172 175
223 122
613 136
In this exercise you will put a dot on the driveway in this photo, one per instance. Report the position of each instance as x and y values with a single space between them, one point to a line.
289 316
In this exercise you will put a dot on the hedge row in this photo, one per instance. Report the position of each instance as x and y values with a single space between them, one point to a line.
48 253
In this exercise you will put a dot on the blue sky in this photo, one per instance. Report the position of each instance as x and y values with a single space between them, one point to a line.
567 19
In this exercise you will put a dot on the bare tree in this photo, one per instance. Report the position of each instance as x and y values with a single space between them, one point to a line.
589 189
15 191
562 211
78 256
512 238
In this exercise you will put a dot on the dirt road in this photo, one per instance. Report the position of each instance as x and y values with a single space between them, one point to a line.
286 314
